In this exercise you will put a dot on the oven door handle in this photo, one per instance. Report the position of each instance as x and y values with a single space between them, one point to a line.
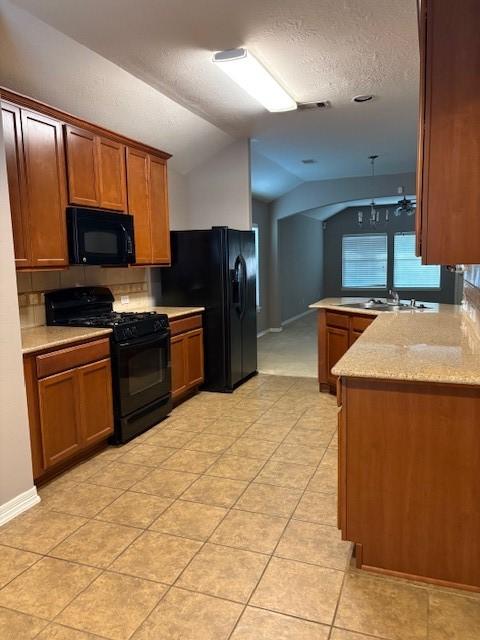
145 340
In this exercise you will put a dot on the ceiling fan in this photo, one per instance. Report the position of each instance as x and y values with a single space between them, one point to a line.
405 205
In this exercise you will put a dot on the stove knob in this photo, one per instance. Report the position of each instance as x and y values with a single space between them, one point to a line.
133 331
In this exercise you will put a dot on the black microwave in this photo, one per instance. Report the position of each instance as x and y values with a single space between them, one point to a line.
100 237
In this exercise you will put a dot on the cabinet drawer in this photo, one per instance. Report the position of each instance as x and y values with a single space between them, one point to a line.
71 357
337 320
185 324
360 323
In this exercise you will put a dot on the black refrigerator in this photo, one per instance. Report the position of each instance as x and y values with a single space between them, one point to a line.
216 269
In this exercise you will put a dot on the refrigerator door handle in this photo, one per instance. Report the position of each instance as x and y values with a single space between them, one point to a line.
236 285
243 286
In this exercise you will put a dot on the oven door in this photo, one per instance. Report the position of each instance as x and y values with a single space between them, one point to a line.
141 371
100 237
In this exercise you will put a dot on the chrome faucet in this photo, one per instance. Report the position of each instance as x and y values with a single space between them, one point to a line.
394 296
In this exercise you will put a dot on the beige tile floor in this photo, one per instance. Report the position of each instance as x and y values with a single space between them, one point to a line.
292 351
217 524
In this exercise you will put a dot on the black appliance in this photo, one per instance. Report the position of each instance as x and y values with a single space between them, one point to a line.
140 353
216 269
100 237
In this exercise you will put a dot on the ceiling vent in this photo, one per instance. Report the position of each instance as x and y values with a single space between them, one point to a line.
309 161
309 106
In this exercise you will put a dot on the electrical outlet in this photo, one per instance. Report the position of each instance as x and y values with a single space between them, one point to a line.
125 299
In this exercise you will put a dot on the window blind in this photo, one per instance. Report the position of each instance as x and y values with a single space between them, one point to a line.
364 261
408 270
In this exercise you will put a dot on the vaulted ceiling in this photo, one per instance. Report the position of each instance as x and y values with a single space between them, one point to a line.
320 50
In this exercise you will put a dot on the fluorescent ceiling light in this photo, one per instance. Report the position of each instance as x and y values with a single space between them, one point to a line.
252 77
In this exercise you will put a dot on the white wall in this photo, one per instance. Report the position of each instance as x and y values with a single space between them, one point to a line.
261 217
300 257
219 190
177 200
44 63
311 195
15 460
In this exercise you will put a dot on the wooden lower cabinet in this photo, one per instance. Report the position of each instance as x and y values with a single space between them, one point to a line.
96 409
60 418
337 331
179 378
70 410
187 358
337 342
409 455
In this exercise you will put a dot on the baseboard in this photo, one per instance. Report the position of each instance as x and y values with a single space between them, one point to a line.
18 505
271 330
300 315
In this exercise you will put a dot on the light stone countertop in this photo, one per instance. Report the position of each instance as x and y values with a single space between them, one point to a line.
40 338
438 345
174 313
341 304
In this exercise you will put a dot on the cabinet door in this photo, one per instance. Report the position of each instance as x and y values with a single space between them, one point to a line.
337 345
82 167
112 175
36 442
354 336
160 226
449 154
194 357
342 472
95 387
45 189
179 365
12 135
139 203
60 416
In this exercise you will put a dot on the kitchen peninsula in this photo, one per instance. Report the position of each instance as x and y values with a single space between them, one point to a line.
409 444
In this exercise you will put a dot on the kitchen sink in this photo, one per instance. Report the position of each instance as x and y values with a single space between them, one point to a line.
380 305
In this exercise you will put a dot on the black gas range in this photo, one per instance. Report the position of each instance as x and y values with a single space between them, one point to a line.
140 351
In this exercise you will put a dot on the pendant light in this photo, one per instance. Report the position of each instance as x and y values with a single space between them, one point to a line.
374 214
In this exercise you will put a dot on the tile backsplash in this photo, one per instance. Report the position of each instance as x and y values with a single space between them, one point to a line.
131 282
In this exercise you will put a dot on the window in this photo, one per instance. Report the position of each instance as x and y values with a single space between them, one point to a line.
257 263
408 270
364 261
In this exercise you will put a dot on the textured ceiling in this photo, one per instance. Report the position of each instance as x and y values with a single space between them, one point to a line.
41 62
320 49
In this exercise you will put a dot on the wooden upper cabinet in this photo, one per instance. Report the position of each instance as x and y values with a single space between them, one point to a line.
96 170
83 186
159 211
45 189
53 161
139 203
111 174
12 134
148 203
448 169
